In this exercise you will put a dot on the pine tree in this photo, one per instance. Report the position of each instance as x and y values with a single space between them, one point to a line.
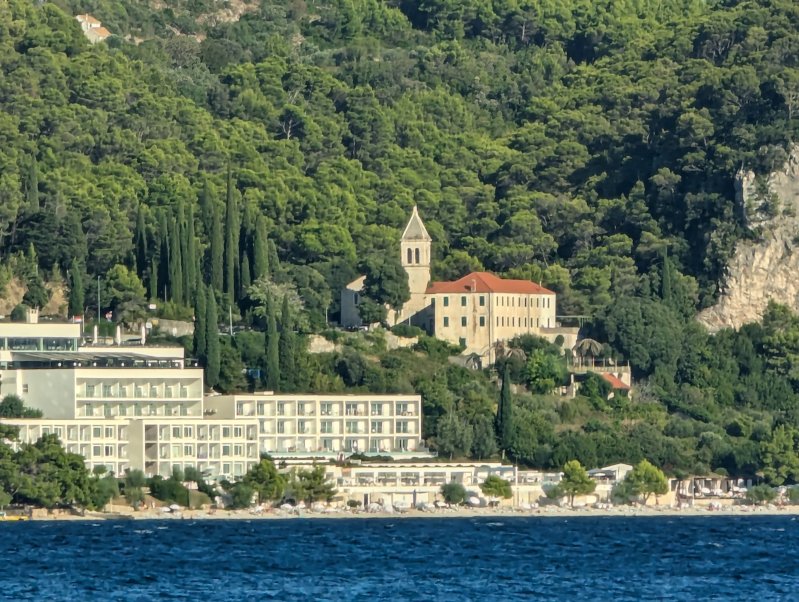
212 346
504 418
287 348
76 292
200 323
260 249
666 280
272 368
216 251
231 239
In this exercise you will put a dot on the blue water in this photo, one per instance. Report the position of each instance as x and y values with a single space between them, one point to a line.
585 558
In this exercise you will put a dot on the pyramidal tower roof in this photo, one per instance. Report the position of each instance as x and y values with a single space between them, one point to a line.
415 229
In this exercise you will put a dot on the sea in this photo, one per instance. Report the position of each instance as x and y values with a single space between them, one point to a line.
415 559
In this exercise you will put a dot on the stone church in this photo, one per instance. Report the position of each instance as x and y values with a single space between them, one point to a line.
476 311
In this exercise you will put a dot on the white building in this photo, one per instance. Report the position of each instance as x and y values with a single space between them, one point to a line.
322 425
121 407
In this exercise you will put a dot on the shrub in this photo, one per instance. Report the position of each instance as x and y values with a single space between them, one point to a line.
407 331
453 493
760 494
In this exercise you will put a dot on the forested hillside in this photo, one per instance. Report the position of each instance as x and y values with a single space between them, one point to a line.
591 146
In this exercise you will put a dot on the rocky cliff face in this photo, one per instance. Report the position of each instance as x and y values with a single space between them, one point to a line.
767 266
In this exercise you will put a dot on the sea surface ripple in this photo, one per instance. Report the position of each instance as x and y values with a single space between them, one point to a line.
500 558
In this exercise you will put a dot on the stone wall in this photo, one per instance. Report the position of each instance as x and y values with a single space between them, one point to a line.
766 267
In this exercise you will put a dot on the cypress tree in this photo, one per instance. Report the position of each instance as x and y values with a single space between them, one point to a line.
141 243
231 239
200 323
32 186
212 348
207 209
175 263
216 251
245 274
154 278
76 292
260 249
186 276
274 261
287 348
504 418
190 258
272 367
163 254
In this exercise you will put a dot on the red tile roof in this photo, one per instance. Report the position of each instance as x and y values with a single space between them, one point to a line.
485 282
615 382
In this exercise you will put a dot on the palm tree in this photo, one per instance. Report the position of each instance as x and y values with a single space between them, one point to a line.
588 347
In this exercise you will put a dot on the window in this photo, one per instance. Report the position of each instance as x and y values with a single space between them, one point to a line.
446 322
176 432
374 445
463 320
226 432
261 408
281 408
402 426
402 408
188 450
238 432
153 391
225 451
300 409
463 300
184 391
446 301
123 391
107 391
302 425
281 426
462 342
89 390
97 432
352 426
109 432
417 256
109 450
25 388
326 409
139 391
410 256
377 409
97 450
351 409
238 450
482 320
482 300
188 432
326 426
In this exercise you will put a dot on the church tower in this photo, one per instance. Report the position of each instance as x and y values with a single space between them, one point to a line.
415 255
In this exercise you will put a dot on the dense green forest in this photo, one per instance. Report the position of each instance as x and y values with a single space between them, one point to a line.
256 165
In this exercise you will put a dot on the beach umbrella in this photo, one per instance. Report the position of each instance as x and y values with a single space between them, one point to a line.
174 507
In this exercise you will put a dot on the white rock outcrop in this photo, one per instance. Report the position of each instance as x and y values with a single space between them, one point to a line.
766 267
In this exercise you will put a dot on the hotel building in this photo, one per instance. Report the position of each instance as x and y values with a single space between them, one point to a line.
121 407
137 407
327 424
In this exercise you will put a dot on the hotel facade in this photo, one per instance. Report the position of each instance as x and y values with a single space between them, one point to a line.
327 424
142 407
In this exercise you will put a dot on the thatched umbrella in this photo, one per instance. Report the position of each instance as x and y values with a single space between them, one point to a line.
588 347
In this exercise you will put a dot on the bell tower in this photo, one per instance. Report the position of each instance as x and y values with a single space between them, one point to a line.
415 255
